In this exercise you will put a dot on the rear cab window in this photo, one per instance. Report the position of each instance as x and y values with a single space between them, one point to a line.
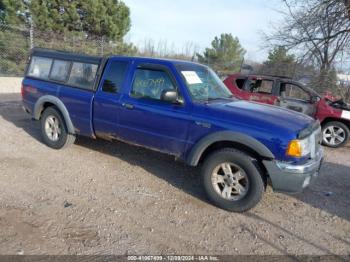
114 76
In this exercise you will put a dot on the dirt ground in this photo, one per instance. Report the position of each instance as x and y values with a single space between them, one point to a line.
99 197
10 84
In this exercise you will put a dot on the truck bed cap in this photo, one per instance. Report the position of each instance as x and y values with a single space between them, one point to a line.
64 55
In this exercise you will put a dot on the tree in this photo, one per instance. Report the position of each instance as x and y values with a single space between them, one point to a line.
93 26
317 30
279 62
2 12
55 15
13 12
279 55
110 18
225 54
96 18
101 18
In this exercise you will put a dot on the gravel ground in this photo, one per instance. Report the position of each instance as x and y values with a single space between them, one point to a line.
99 197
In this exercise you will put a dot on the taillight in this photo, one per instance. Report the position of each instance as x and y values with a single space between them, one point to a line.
28 90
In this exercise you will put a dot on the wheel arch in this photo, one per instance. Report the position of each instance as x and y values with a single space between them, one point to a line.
47 101
225 139
334 119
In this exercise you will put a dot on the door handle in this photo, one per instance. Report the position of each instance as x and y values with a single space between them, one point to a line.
203 124
128 106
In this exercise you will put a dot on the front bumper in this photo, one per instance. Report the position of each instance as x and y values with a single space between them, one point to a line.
289 178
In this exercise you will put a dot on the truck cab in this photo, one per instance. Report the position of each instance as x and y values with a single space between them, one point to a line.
178 108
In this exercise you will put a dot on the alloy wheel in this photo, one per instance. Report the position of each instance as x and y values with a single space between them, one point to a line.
334 135
53 128
230 181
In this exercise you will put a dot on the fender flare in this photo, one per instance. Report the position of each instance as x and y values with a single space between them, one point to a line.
198 149
39 106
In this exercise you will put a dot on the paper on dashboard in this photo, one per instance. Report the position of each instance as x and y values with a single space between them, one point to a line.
191 77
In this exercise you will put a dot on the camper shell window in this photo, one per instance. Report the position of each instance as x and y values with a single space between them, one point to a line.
70 69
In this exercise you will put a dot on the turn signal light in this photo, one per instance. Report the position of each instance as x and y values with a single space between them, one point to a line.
294 148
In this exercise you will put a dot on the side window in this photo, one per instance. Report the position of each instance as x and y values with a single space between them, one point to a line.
60 70
149 83
294 91
83 75
40 67
114 77
261 86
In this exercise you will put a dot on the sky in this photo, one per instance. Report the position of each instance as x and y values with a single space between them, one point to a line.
198 21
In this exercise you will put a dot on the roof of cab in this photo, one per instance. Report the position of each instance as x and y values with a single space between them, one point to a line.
65 55
143 59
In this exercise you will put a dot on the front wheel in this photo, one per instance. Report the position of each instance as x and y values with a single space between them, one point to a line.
54 130
232 181
335 134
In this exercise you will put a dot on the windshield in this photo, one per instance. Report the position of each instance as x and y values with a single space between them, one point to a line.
202 83
309 89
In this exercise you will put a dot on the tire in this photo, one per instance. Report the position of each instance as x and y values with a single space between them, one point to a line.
335 134
253 181
53 123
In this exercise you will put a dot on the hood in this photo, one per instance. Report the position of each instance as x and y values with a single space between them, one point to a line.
256 118
340 104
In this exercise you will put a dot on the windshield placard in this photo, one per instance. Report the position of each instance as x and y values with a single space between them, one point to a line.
191 77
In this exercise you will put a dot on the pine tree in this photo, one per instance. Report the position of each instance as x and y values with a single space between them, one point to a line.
279 62
279 55
110 18
96 18
13 12
225 54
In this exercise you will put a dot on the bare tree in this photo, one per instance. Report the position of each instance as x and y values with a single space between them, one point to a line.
161 48
317 30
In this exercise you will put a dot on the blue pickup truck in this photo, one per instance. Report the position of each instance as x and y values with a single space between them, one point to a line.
179 108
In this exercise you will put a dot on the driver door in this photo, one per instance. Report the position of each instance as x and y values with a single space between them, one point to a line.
294 97
149 121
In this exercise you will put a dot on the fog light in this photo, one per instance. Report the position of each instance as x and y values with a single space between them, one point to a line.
306 182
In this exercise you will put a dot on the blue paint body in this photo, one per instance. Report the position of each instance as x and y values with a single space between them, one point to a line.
168 128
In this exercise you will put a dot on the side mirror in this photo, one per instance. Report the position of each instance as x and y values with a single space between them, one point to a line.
170 96
314 99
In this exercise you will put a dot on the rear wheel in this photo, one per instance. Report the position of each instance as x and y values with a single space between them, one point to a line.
335 134
54 130
232 181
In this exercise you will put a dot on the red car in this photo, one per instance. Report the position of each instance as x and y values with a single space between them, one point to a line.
334 115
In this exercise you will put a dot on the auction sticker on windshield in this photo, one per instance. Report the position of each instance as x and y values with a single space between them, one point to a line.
345 114
191 77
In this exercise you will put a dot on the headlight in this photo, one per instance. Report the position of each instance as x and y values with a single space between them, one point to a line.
299 147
